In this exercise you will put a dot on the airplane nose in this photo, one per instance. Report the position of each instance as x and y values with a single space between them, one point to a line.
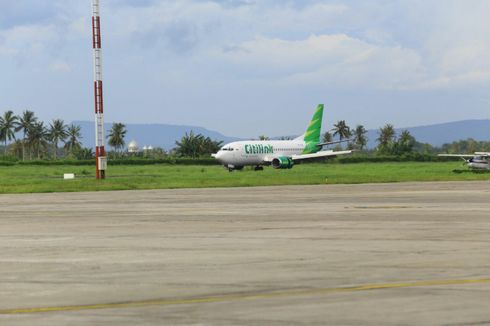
218 156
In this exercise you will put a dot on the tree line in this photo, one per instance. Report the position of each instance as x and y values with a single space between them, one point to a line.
392 144
389 143
41 140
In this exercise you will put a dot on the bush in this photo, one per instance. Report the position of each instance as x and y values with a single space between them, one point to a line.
409 157
118 161
58 162
168 160
8 158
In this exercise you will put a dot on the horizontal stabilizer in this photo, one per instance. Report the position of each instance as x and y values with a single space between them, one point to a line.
334 142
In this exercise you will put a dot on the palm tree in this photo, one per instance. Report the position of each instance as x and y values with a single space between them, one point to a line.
37 138
264 137
57 132
15 148
192 145
189 145
74 136
8 124
84 153
386 138
405 142
26 121
342 130
208 146
360 137
116 136
327 137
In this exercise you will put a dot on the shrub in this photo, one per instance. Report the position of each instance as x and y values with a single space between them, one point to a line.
408 157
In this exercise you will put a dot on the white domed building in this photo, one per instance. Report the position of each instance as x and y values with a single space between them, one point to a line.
133 147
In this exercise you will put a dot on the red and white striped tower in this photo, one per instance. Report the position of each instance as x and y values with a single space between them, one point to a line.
101 162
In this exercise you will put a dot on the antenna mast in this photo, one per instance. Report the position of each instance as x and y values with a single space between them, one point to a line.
101 160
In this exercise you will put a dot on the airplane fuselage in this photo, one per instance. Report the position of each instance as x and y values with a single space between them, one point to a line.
280 154
478 163
241 153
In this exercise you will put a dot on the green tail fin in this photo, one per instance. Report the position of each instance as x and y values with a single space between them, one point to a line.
312 134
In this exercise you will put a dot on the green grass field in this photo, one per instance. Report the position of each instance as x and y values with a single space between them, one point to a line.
36 179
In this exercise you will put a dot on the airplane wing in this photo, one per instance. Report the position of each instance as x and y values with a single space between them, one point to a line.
301 157
287 162
456 155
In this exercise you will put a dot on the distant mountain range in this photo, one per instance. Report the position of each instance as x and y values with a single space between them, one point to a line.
156 135
165 135
440 134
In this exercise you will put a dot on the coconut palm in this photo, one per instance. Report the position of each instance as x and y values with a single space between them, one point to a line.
342 130
360 137
26 121
57 132
189 145
83 153
37 138
386 138
116 136
405 142
327 137
73 139
192 145
8 124
15 148
208 146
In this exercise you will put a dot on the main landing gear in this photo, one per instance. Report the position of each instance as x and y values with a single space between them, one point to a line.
233 168
239 168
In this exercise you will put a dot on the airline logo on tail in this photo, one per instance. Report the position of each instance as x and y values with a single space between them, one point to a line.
312 135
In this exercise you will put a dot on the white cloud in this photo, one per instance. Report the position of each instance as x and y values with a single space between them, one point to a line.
61 67
28 40
254 50
335 60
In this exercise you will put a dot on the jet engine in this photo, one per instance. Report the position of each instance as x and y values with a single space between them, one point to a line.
282 163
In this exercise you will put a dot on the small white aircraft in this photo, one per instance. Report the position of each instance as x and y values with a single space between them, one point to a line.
477 161
281 154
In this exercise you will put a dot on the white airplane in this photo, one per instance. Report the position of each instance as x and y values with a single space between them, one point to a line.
281 154
477 161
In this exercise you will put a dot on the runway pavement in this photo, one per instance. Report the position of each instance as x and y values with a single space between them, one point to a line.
384 254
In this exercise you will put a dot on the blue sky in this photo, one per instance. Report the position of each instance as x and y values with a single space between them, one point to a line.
250 67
